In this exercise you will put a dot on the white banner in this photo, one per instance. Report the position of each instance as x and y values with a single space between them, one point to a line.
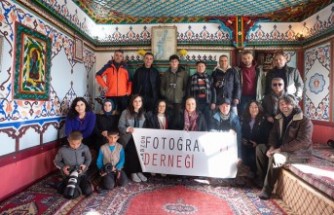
212 154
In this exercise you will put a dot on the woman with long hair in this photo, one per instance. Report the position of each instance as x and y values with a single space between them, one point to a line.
159 118
131 118
80 118
255 130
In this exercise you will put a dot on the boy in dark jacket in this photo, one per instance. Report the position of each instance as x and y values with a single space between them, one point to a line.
73 161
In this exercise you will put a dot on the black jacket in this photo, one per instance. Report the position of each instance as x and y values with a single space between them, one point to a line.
104 123
227 85
139 82
259 133
153 122
178 122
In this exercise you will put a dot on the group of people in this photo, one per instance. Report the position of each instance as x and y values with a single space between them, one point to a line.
262 109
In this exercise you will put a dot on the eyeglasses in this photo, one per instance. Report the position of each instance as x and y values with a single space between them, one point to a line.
277 84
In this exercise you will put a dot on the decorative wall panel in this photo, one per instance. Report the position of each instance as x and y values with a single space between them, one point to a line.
317 64
24 122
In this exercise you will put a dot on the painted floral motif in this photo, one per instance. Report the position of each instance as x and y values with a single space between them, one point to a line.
14 110
317 83
320 112
316 107
258 33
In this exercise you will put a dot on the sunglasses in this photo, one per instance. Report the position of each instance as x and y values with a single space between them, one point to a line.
277 84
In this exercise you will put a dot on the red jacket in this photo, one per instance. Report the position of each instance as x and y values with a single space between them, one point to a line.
117 81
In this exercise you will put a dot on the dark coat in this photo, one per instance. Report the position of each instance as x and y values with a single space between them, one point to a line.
259 133
104 123
270 104
230 86
297 135
178 122
294 84
152 120
139 82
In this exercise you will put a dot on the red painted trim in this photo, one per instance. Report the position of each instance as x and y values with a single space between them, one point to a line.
23 154
329 124
233 57
331 81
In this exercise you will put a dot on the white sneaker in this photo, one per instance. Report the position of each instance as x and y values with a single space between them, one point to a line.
141 176
135 178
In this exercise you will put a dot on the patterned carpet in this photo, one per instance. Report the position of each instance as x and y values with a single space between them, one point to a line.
171 195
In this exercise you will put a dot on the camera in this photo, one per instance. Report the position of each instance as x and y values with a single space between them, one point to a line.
72 183
108 168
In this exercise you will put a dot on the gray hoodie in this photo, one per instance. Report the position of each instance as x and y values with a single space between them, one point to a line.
68 156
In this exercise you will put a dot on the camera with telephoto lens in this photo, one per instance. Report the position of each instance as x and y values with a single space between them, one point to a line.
72 183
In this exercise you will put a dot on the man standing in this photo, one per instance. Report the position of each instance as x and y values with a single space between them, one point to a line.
146 82
173 84
270 101
293 82
290 141
226 83
252 81
201 88
115 81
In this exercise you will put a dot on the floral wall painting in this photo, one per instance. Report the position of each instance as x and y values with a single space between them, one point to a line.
317 76
32 64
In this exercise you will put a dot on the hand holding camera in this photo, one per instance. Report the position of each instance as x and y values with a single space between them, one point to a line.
72 182
66 170
82 168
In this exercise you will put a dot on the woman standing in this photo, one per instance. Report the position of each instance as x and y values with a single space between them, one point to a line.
131 118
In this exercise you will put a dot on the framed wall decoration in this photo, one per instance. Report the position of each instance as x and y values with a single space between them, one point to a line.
32 64
78 49
164 42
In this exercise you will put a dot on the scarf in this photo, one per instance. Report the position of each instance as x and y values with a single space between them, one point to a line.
190 121
112 107
196 88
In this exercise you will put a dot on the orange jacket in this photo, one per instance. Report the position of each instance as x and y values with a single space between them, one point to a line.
117 81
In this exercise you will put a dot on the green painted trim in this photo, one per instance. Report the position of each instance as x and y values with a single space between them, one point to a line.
273 43
322 35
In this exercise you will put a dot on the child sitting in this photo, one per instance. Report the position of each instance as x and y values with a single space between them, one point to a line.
73 161
110 162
